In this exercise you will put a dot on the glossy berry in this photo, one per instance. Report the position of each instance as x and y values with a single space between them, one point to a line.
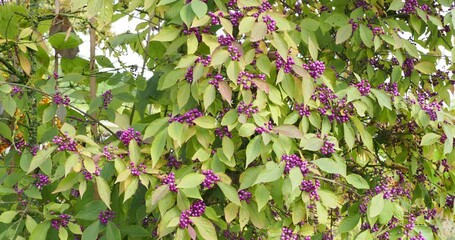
302 109
187 117
185 220
210 179
170 180
62 221
41 181
61 100
315 69
129 134
106 216
107 98
245 196
295 161
287 234
197 208
363 86
247 109
65 143
137 169
311 188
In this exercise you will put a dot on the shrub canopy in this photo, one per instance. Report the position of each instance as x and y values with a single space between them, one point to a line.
247 119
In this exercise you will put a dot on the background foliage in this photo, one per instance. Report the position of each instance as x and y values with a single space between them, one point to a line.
261 120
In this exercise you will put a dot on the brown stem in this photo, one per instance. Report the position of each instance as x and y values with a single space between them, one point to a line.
93 85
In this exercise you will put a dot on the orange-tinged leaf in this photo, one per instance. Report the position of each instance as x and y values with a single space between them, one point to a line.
25 64
226 91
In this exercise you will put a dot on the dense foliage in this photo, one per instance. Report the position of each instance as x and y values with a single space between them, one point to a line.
261 120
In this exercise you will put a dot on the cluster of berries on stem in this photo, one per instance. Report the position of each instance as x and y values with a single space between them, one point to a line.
187 117
65 143
106 216
129 134
170 180
62 221
210 179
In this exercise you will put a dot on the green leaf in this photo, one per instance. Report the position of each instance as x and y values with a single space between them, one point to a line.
296 177
396 5
230 193
171 78
205 228
357 181
247 130
40 231
313 48
253 150
220 56
383 99
230 212
348 223
67 183
187 15
131 188
425 67
206 122
343 34
40 158
387 212
62 234
167 34
104 190
376 205
112 232
328 198
158 145
264 64
259 31
331 166
228 147
91 232
365 235
60 41
91 210
7 216
349 135
209 96
289 130
135 152
191 180
262 196
429 139
366 35
159 194
271 173
199 8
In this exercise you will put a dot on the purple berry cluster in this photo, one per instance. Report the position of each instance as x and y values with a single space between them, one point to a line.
395 61
225 40
65 143
189 74
215 81
196 31
196 210
185 220
235 16
107 98
439 76
108 152
302 109
245 78
264 7
210 179
234 52
228 235
410 225
363 86
431 108
15 91
187 117
408 66
354 25
450 200
204 60
223 131
410 7
247 109
311 187
418 237
341 111
170 180
315 69
295 161
75 193
286 65
362 4
41 181
19 145
374 62
288 234
137 170
215 18
129 134
327 147
172 162
271 24
61 100
267 128
34 150
62 221
391 88
106 216
244 195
